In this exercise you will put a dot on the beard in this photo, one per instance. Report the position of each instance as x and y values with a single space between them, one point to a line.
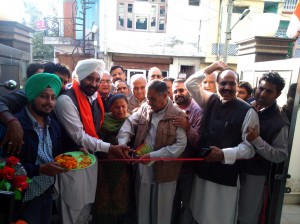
226 91
38 112
182 100
87 89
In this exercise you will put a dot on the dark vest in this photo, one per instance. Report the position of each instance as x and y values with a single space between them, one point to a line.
271 122
221 127
106 102
68 143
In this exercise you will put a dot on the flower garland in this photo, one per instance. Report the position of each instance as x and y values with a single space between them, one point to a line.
13 176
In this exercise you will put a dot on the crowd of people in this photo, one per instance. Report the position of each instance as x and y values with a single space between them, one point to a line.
210 141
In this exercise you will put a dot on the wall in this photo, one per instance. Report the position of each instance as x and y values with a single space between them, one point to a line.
181 38
178 62
13 64
70 60
244 28
294 181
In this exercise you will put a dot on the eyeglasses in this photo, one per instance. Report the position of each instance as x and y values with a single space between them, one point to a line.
121 88
105 81
136 88
157 76
178 90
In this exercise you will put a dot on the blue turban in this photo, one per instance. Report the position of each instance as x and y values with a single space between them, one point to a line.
39 82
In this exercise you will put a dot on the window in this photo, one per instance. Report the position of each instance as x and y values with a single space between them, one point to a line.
150 17
162 13
153 18
141 22
129 16
121 15
239 9
283 25
271 7
187 69
194 2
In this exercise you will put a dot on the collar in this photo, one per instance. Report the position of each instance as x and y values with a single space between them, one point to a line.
140 102
253 103
92 97
109 94
163 110
189 107
169 110
33 120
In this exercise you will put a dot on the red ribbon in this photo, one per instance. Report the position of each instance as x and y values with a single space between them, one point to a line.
155 159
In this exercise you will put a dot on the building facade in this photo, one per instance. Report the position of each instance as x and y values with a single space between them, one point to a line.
177 36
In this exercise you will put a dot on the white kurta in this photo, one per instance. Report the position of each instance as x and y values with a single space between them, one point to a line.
252 186
77 188
211 202
154 201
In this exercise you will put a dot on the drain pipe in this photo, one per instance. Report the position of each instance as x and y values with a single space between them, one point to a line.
219 30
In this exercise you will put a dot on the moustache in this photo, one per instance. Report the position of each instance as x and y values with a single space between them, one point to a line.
227 91
177 97
92 88
48 106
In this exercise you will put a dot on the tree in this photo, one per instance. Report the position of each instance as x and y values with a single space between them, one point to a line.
41 51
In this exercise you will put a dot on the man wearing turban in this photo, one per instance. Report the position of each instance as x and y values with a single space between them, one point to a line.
42 142
15 101
80 111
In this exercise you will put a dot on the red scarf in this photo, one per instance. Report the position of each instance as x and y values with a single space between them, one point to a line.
86 112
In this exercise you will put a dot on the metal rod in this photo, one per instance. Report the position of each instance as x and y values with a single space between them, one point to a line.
228 30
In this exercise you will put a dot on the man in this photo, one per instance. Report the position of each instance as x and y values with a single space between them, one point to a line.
181 207
61 70
122 87
154 73
34 68
117 73
288 106
210 83
104 89
81 112
226 120
153 125
244 90
169 81
271 146
42 142
138 84
14 102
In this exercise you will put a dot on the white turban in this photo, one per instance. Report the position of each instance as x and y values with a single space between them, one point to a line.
86 67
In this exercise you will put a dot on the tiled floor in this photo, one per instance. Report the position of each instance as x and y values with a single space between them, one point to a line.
290 214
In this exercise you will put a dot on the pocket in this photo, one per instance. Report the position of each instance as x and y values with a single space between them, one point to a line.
169 135
231 134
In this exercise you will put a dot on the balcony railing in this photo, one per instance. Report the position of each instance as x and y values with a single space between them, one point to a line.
219 49
289 5
59 27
